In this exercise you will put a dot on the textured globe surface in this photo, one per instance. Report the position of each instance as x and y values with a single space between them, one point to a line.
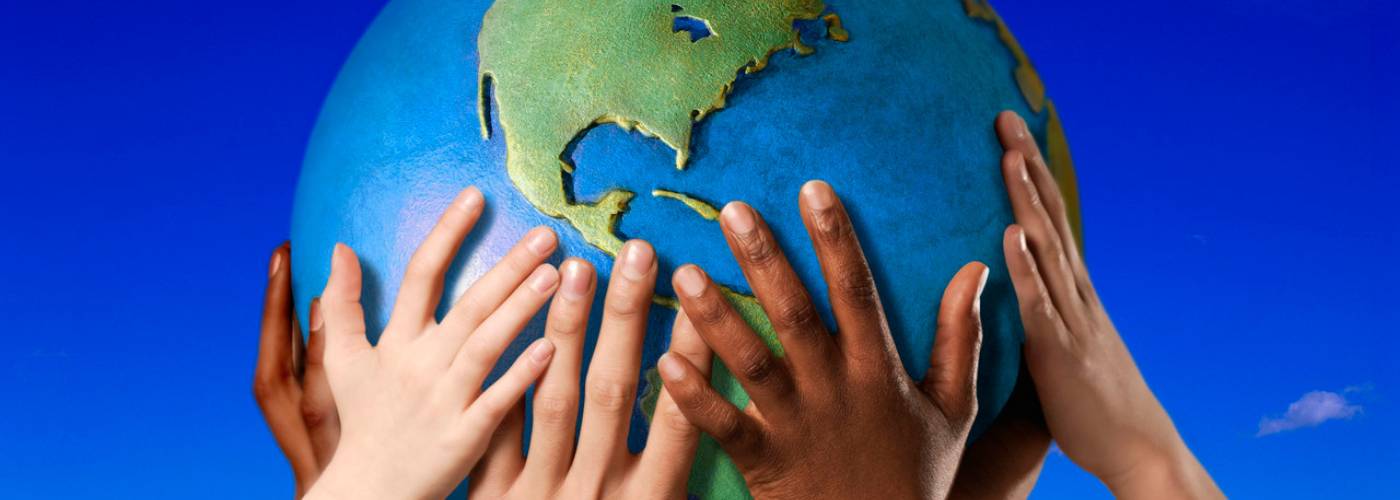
615 119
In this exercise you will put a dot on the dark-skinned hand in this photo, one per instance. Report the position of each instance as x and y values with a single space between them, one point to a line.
289 382
837 416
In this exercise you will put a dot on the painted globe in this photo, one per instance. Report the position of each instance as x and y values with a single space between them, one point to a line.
616 119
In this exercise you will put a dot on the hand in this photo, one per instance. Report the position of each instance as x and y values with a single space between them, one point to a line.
414 417
293 393
602 467
835 416
1096 403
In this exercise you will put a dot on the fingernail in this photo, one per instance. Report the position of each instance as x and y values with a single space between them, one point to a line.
1021 240
316 319
818 195
276 264
1024 170
543 279
636 260
738 217
670 368
542 351
541 242
338 255
1022 129
689 281
576 280
469 199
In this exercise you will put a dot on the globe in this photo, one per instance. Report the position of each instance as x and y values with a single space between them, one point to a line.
615 119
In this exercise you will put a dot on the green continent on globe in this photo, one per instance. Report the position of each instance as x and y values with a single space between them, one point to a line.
559 67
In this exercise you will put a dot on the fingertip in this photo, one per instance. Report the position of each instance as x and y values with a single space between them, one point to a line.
670 368
316 321
689 280
279 257
541 241
818 195
470 200
578 278
541 352
543 279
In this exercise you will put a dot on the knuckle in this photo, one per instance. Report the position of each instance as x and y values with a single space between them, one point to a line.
675 421
314 414
554 409
624 307
832 227
794 310
712 311
565 325
610 395
856 288
420 267
758 249
756 364
268 384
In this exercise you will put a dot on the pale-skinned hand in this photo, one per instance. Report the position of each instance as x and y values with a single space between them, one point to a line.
414 417
601 466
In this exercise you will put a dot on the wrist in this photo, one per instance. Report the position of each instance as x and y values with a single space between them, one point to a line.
346 477
1170 469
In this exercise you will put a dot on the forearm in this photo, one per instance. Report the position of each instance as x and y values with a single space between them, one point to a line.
1175 471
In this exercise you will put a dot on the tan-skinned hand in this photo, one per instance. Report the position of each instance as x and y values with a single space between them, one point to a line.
602 466
837 416
1096 404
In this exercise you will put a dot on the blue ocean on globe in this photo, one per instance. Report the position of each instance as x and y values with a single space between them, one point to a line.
897 117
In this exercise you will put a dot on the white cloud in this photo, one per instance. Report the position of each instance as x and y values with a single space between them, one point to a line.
1311 410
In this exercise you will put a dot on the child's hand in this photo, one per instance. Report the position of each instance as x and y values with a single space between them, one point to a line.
1096 403
837 416
414 419
602 467
298 408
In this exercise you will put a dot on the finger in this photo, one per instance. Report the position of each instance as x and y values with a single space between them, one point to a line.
274 367
952 373
476 355
501 465
1042 322
555 408
423 279
1045 244
317 404
1016 135
340 305
670 448
862 331
482 416
784 298
736 432
487 294
762 375
274 385
611 385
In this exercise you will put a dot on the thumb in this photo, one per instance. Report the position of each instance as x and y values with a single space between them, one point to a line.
340 304
952 373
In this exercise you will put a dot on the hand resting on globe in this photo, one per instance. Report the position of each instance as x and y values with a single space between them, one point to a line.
1096 404
833 416
602 466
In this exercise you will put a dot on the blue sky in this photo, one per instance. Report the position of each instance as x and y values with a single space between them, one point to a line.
1238 218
